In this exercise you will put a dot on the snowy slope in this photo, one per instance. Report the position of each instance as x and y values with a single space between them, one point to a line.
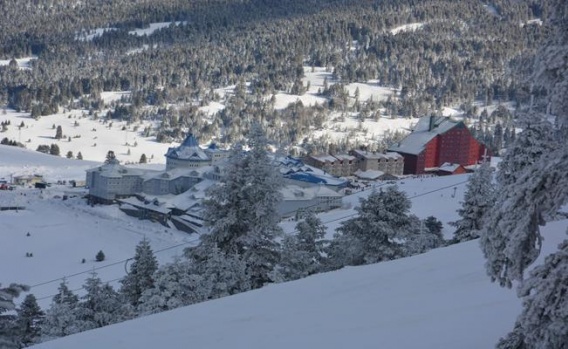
441 299
19 161
65 232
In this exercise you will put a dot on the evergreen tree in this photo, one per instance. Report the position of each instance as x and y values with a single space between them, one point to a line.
59 132
141 274
100 256
110 158
377 232
224 274
143 159
536 139
420 238
303 253
176 284
241 211
79 156
54 150
543 322
43 148
99 307
434 226
511 239
65 295
30 318
479 198
9 332
61 318
69 154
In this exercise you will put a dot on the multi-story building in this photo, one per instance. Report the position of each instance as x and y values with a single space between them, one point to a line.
387 162
438 140
190 155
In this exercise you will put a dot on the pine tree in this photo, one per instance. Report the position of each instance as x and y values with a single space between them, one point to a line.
54 150
30 318
434 226
423 236
241 211
79 156
59 132
100 256
99 307
9 332
110 158
69 154
224 274
143 159
536 139
511 239
61 318
543 322
141 274
303 252
176 284
377 232
479 198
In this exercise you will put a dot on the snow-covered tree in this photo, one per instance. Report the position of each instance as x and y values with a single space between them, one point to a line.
303 252
110 158
61 318
377 233
434 226
544 320
176 284
479 198
223 273
9 332
511 239
99 306
536 139
141 275
30 318
241 211
423 236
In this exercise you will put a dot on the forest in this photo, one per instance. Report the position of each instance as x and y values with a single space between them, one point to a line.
463 52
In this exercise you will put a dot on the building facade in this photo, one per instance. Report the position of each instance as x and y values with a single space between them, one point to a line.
436 141
343 165
190 155
387 162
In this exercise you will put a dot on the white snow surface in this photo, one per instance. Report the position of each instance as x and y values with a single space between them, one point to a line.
406 28
93 138
23 63
153 27
441 299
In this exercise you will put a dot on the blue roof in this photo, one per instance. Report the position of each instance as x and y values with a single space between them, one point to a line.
315 179
190 141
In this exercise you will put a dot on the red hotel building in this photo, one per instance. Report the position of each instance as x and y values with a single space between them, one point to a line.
436 141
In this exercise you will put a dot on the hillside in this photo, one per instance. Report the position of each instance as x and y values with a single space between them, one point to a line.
441 299
65 232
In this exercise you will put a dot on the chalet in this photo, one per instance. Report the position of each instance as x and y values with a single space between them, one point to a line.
436 141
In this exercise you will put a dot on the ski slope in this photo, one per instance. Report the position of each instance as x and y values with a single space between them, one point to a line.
441 299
